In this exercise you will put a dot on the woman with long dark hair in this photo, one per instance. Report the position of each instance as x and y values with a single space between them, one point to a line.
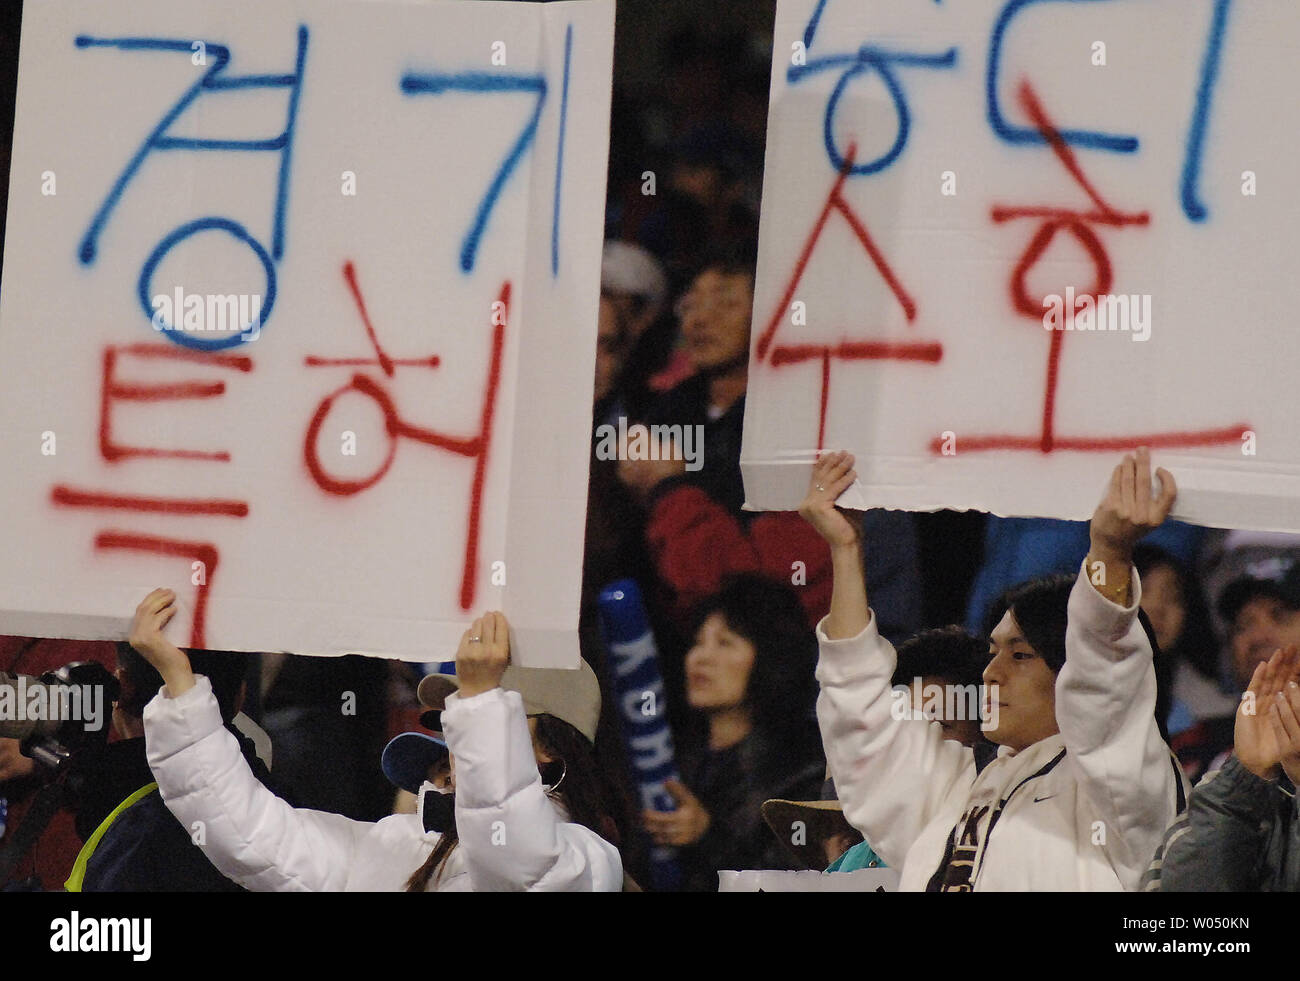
1195 709
504 829
750 686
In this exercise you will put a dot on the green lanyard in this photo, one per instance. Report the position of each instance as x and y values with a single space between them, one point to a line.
78 875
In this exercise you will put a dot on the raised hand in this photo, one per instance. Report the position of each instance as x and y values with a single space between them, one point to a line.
832 475
151 616
1261 736
1284 719
483 655
1127 512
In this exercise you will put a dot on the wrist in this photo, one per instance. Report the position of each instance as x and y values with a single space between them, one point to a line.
1262 770
178 678
1109 550
472 689
1115 579
172 663
846 551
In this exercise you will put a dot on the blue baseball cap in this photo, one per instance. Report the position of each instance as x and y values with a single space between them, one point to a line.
407 758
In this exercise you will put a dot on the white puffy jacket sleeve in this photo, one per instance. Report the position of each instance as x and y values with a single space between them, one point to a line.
891 774
1105 707
249 834
513 837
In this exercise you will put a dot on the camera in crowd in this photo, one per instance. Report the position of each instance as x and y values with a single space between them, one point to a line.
61 713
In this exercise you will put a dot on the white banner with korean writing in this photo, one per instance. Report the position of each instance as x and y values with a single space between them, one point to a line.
299 313
1004 242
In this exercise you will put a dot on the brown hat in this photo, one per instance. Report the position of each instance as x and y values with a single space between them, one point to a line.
822 820
569 695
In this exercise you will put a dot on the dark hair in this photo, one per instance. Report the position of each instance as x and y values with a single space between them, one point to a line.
951 652
419 880
581 790
1039 607
582 787
225 669
1197 644
782 687
738 257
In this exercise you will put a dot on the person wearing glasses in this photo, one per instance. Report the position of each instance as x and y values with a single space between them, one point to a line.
696 531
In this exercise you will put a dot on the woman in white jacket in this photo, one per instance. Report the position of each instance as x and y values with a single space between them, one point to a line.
511 834
1082 786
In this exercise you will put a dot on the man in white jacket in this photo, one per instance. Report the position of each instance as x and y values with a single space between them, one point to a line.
512 834
1082 787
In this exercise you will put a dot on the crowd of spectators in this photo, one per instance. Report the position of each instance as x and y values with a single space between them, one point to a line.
735 597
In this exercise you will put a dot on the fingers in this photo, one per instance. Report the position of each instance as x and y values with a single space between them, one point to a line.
830 468
1287 669
1147 506
492 631
1168 492
1132 506
1256 686
1127 480
1275 724
1287 710
155 601
832 475
1290 672
1276 671
658 820
471 637
1282 671
834 490
1113 492
488 638
665 827
1142 500
1273 672
660 824
678 791
501 630
154 612
1268 682
841 465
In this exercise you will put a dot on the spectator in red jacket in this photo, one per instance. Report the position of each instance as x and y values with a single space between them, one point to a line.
696 530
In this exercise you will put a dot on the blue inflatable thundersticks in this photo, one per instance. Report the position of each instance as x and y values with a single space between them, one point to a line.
639 692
